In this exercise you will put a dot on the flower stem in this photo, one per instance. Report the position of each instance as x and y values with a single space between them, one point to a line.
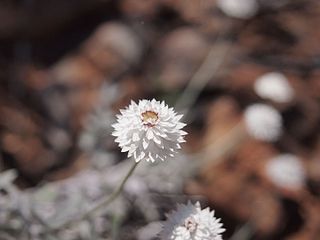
102 204
114 195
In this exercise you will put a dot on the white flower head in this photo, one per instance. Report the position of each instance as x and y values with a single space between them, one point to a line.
274 86
287 171
243 9
190 222
263 122
149 130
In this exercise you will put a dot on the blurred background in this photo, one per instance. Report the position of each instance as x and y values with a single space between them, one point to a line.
246 74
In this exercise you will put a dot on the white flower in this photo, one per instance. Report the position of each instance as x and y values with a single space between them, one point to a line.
263 122
189 222
274 86
287 171
120 39
149 130
242 9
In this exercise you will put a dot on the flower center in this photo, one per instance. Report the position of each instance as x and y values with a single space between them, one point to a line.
190 224
149 118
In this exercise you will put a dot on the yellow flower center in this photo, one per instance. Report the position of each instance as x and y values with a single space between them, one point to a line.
149 118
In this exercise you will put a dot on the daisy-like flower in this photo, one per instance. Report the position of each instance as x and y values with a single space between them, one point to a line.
190 222
149 130
263 122
274 86
286 171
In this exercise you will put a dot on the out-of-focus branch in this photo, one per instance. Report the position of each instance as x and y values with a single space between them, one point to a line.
203 75
207 70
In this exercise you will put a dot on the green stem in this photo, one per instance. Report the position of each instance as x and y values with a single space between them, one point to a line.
116 222
103 204
243 233
114 195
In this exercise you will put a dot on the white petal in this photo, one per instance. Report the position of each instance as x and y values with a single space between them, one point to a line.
157 140
135 137
149 134
145 144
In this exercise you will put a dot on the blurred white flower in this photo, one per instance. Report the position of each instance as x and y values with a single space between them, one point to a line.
119 38
242 9
274 86
287 171
149 130
263 122
189 222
